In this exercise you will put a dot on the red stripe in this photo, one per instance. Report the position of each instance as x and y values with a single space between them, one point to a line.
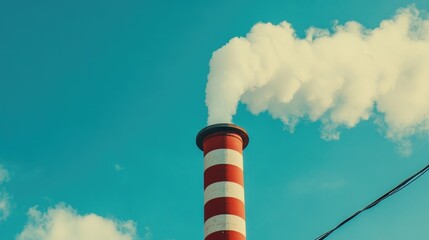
226 235
223 140
223 172
224 205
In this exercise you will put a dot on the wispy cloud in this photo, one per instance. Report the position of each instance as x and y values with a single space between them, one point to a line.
5 205
5 199
4 175
118 167
147 234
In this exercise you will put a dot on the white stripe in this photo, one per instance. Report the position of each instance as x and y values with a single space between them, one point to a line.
224 222
223 156
223 189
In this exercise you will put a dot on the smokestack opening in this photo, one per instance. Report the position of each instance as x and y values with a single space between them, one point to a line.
221 128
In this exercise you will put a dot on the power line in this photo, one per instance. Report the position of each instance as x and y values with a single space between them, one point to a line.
396 189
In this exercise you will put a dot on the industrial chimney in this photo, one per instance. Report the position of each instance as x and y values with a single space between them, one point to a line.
224 214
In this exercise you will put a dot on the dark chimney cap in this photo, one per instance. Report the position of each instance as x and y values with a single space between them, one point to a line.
222 127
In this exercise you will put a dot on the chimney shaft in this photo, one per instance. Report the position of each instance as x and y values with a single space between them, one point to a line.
224 212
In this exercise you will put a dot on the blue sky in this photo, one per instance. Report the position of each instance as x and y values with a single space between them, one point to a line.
100 103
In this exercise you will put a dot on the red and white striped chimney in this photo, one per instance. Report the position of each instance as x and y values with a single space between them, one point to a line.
224 212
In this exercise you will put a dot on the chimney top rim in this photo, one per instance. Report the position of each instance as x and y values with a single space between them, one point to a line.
221 127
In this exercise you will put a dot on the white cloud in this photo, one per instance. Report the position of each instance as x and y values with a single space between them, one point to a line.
148 234
118 167
5 205
338 77
4 175
64 223
5 202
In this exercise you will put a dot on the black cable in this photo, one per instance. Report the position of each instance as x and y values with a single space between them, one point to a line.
396 189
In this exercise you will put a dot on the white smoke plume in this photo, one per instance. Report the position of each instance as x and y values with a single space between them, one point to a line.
338 77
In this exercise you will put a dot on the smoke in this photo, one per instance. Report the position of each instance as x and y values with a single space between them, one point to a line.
338 77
